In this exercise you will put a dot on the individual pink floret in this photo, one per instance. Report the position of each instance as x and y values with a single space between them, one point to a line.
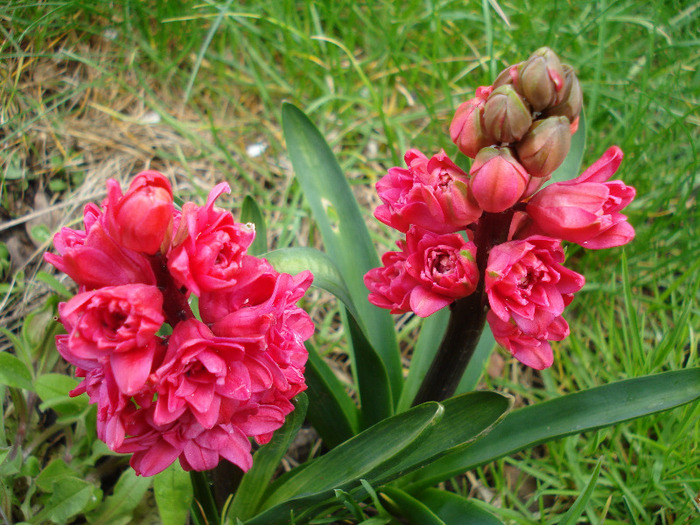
586 210
528 289
115 325
140 220
431 193
390 285
92 258
444 266
208 246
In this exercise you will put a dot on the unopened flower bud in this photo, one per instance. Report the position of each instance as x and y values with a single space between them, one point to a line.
545 146
542 78
497 179
509 76
140 219
570 99
467 129
506 115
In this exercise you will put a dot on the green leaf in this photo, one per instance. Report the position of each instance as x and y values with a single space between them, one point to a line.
14 373
342 227
326 273
405 506
574 513
250 212
571 414
331 411
53 390
571 167
53 472
431 332
173 492
467 418
119 507
54 283
454 509
265 461
342 467
69 496
373 381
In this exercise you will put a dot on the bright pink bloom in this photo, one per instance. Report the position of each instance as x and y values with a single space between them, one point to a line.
94 259
115 325
208 246
264 310
497 179
467 127
155 447
531 350
390 285
141 219
201 372
586 210
444 266
528 289
431 193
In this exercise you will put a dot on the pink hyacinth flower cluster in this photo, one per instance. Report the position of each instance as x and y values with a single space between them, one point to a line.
169 385
495 231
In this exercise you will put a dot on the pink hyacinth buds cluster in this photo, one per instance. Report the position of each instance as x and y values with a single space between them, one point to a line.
167 384
518 131
493 231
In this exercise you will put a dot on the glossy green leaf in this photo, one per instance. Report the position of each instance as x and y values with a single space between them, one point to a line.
14 373
342 227
326 273
405 506
331 411
571 167
173 492
251 212
454 509
467 418
373 382
571 414
342 467
265 461
431 331
574 513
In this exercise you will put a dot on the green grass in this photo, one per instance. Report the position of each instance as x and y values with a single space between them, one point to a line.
76 77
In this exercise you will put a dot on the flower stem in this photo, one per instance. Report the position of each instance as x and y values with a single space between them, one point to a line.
467 318
175 305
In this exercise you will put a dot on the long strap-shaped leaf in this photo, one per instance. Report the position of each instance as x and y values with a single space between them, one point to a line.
333 413
454 509
342 227
571 414
342 467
